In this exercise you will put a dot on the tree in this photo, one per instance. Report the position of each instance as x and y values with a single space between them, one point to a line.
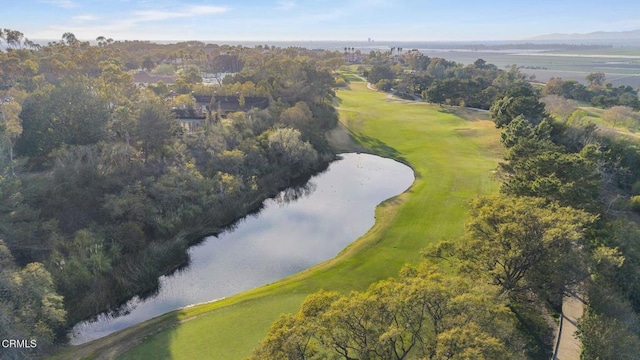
288 150
70 114
148 64
116 86
621 115
520 99
379 72
156 126
289 338
192 76
422 314
30 307
559 106
164 69
11 126
384 85
595 79
470 342
603 337
13 38
524 243
480 63
437 68
184 101
539 170
298 117
70 39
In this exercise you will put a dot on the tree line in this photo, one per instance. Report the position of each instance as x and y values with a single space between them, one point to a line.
478 85
101 191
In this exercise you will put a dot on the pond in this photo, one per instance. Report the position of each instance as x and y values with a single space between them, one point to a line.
295 230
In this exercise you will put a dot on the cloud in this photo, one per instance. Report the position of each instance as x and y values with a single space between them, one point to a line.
285 5
187 11
88 26
84 18
67 4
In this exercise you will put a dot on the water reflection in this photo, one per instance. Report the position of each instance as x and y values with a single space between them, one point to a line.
300 227
295 193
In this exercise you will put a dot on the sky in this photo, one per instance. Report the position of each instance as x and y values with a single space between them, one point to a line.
307 20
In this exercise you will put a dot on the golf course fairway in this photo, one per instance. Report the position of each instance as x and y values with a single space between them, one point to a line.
453 152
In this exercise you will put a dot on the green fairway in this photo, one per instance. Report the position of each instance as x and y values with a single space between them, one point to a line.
453 153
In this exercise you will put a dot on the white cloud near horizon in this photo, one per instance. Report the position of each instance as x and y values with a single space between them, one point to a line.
66 4
117 27
84 18
187 11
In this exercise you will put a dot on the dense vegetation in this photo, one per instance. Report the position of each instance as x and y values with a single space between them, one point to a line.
560 225
599 92
101 189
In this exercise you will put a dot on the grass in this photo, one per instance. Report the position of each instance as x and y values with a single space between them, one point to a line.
452 151
605 127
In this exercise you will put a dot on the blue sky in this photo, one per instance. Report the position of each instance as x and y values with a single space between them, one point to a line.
408 20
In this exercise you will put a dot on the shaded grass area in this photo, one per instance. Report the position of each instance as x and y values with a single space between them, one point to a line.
452 151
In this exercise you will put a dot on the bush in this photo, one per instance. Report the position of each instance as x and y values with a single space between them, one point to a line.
340 82
384 85
634 203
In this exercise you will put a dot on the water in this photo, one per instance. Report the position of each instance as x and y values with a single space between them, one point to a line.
297 229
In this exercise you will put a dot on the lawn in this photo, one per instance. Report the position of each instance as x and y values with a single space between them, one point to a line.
453 153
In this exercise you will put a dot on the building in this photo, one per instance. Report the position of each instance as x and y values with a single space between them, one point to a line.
225 104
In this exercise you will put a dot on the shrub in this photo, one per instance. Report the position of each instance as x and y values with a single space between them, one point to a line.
634 203
384 85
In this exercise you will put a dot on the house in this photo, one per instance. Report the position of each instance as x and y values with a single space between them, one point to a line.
225 104
191 125
192 119
203 104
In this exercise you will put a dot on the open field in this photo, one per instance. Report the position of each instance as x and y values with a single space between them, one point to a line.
612 51
452 151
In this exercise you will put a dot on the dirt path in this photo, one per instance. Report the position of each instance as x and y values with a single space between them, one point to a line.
568 346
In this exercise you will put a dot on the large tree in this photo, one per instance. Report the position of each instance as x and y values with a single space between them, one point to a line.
524 243
71 114
156 126
520 99
379 72
423 314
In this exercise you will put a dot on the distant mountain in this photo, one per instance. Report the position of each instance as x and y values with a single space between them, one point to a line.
633 35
